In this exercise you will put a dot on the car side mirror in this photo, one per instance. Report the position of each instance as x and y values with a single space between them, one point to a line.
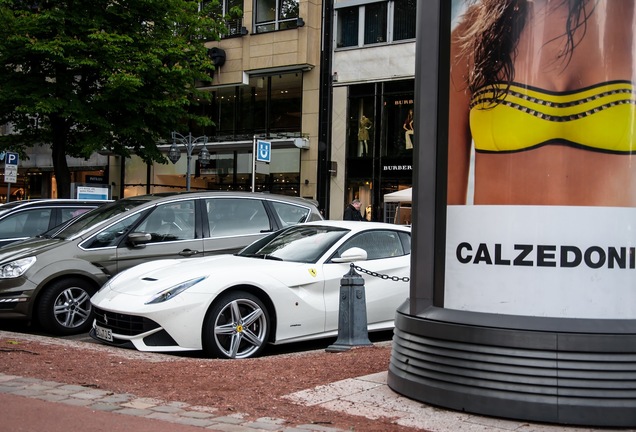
139 239
351 255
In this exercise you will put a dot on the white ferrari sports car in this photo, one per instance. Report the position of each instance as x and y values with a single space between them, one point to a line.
282 288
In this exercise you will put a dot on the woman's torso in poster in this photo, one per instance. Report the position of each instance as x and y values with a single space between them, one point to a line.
562 128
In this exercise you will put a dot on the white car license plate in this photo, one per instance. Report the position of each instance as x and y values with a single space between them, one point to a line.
104 333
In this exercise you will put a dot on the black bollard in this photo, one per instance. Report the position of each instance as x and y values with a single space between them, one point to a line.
352 318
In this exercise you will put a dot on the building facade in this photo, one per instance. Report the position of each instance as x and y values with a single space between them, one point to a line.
35 178
285 70
373 65
265 87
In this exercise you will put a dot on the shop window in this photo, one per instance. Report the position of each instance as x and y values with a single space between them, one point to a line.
224 113
268 105
361 127
285 103
252 106
399 125
275 104
274 15
233 171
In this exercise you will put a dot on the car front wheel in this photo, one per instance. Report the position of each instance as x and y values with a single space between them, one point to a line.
236 327
65 307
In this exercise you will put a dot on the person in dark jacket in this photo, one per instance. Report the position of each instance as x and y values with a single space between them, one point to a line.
352 212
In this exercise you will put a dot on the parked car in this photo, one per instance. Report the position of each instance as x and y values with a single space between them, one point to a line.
23 219
282 288
51 278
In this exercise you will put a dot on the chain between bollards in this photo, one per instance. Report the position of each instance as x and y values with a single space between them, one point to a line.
381 275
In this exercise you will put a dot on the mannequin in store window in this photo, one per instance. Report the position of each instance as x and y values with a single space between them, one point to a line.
363 136
408 128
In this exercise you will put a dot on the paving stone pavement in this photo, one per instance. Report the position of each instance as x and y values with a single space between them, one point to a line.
367 396
370 396
129 404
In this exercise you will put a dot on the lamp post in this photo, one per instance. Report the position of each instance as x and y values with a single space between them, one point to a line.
174 154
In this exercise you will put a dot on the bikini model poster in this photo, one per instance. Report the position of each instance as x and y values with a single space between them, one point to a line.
541 198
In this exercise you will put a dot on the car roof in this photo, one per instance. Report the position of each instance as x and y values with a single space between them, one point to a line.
160 196
157 198
228 194
39 202
17 206
360 225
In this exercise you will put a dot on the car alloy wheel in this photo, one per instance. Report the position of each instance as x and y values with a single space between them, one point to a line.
65 307
237 326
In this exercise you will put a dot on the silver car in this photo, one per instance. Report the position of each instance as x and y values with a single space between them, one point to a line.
51 278
20 220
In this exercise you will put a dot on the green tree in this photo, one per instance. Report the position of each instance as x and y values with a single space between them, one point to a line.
88 75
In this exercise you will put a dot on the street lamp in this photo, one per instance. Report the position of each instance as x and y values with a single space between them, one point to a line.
174 154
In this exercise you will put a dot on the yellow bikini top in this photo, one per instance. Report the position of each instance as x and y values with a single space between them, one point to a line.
599 118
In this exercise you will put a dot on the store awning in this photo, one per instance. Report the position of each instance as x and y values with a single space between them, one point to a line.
404 195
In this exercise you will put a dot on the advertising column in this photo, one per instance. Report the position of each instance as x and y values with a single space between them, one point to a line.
523 300
542 175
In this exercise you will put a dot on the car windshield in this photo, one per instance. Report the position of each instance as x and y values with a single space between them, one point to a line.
300 243
91 218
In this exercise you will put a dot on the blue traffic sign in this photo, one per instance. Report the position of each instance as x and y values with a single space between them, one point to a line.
264 151
11 159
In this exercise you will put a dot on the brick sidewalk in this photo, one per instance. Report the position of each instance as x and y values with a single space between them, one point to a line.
99 410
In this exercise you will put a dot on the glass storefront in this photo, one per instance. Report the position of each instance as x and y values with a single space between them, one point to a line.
524 257
270 108
228 169
379 143
36 179
232 171
268 105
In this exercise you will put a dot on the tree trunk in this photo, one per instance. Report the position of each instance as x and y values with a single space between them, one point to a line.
58 153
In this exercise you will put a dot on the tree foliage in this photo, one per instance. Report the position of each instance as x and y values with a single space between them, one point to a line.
90 75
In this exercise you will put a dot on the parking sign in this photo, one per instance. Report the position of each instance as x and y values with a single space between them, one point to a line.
11 159
264 151
11 167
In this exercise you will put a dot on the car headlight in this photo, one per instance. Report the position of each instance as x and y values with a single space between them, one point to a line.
16 268
174 291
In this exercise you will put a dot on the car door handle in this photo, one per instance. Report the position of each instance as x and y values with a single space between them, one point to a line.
188 252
